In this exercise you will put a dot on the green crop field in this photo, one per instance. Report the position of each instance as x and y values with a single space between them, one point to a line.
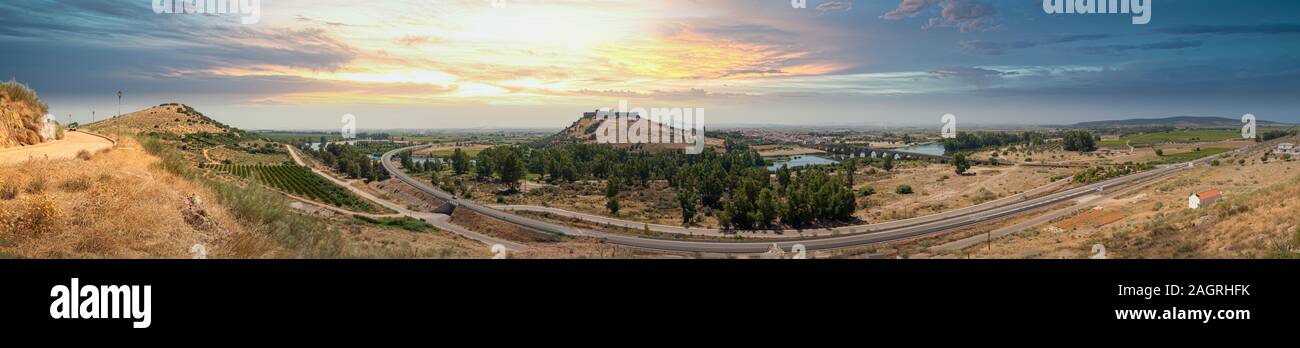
471 152
298 137
1181 136
297 180
1188 156
1113 143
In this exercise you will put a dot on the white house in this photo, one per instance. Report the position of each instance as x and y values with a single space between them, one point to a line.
1287 149
1197 200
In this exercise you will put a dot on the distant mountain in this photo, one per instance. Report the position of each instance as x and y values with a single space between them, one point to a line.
1175 122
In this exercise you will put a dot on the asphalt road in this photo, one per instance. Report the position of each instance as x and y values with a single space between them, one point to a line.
440 221
854 235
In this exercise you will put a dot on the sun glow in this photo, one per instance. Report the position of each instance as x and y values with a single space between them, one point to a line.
536 50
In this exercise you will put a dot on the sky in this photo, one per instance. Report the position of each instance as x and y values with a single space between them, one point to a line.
449 64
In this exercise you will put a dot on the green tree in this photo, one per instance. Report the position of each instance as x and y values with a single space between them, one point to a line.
484 164
765 206
686 199
888 164
510 165
783 175
961 163
611 203
849 167
1079 140
459 162
406 161
612 186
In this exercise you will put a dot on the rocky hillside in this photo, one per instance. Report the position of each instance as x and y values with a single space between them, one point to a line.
22 117
175 118
583 131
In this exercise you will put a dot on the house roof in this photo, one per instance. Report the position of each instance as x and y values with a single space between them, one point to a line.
1211 193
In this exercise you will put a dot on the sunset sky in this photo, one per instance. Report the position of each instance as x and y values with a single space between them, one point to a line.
541 63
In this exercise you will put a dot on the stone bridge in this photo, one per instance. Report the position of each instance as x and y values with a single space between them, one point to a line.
844 151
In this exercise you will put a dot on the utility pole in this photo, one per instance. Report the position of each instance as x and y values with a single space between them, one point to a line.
119 102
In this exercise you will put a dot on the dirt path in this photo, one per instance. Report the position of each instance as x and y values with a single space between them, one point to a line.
72 143
209 158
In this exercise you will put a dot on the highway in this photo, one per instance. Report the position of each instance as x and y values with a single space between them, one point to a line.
440 221
853 235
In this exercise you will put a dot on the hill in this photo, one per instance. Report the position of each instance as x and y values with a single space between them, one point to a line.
583 131
1181 122
174 118
22 117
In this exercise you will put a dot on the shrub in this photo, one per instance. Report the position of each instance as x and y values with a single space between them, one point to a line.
903 189
83 155
37 185
1295 236
8 192
867 191
21 93
76 185
43 215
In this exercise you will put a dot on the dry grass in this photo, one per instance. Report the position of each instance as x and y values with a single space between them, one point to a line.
129 208
170 118
499 229
1257 219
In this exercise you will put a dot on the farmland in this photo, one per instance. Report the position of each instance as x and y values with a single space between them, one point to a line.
1188 156
297 180
1177 136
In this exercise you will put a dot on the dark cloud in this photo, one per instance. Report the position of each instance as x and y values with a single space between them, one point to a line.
191 41
965 15
104 41
992 48
979 77
1077 38
1268 29
989 48
1117 49
1180 80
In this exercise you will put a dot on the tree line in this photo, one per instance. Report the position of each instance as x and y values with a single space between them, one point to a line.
349 160
967 141
734 184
